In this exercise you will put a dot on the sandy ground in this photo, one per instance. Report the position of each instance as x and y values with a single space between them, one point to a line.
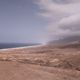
40 63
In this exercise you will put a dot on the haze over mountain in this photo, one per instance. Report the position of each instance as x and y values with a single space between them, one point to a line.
66 40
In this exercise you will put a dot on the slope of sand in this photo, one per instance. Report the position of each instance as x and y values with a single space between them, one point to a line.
40 63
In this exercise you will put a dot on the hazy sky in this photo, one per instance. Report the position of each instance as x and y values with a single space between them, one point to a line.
19 22
38 20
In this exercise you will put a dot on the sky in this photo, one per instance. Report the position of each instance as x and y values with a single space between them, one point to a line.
25 21
20 23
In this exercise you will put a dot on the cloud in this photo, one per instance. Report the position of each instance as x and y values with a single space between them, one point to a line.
71 23
63 16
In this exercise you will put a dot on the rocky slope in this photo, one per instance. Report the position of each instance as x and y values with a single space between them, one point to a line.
40 63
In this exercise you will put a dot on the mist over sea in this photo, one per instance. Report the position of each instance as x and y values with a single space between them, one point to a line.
14 45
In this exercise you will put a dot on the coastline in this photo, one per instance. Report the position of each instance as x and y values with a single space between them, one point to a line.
25 47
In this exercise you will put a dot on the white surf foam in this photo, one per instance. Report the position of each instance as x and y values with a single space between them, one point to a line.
9 49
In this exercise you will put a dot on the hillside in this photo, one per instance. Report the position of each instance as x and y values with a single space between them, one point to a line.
40 63
65 40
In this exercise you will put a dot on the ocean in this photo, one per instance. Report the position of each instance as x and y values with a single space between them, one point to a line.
14 45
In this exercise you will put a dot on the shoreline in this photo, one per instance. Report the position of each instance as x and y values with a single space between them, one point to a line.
16 48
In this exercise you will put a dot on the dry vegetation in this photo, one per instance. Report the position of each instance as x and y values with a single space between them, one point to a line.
41 63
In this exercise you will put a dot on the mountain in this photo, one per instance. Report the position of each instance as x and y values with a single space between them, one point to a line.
66 41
